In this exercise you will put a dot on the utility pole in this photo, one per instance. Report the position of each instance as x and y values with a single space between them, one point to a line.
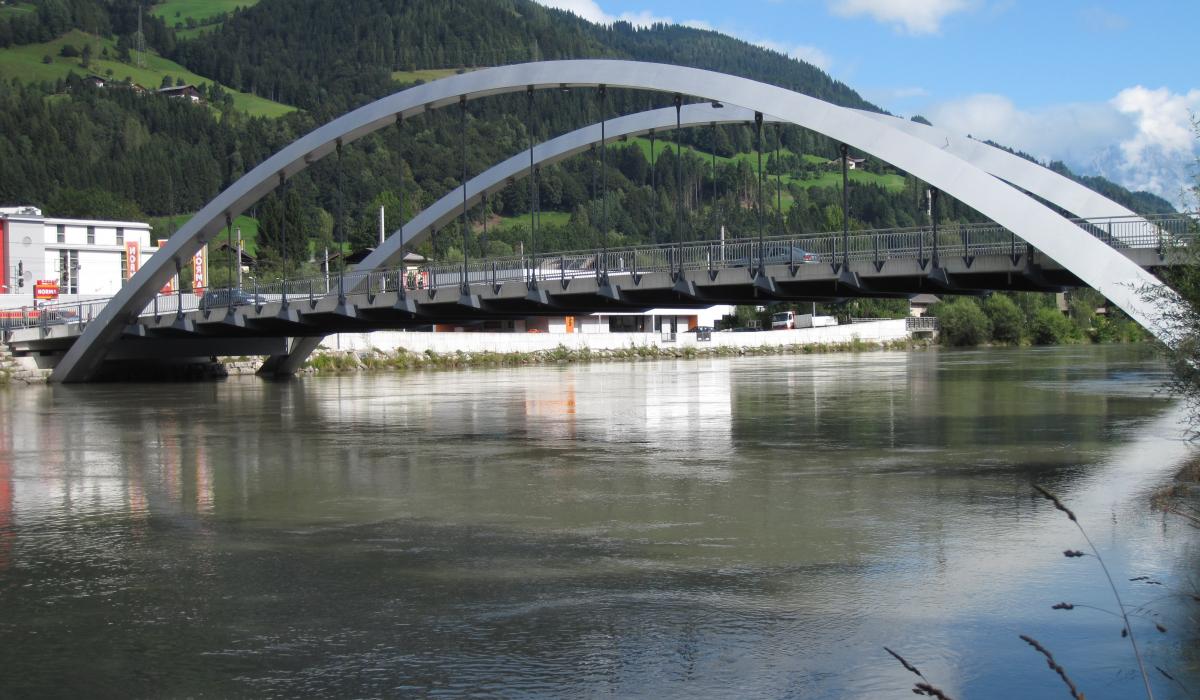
239 256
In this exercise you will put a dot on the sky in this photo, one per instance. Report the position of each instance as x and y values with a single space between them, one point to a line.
1110 88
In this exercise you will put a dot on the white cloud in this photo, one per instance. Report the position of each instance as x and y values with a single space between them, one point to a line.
585 9
911 16
1142 138
1163 119
887 97
800 52
592 12
1098 19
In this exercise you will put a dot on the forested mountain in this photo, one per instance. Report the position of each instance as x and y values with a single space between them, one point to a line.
80 150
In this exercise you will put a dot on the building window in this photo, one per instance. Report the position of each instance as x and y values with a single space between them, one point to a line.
91 236
120 236
62 233
68 271
124 266
627 324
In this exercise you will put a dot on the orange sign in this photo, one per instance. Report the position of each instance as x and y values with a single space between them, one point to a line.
133 256
200 271
45 289
171 285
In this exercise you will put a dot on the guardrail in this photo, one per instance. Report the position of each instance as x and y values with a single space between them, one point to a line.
921 323
879 246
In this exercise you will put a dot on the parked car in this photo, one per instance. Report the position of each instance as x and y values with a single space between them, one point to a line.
221 298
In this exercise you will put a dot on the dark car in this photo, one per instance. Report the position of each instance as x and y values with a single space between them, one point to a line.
777 254
221 298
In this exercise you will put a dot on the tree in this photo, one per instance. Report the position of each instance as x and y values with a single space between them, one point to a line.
963 323
1008 323
277 244
1179 303
1050 327
94 203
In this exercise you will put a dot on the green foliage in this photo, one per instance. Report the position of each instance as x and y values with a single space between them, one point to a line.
1008 323
92 203
963 323
1049 327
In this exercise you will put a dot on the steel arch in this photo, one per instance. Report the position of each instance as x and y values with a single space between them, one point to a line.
1038 180
1032 177
1094 262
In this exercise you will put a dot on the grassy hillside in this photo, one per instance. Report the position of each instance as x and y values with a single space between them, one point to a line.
548 218
412 76
28 63
832 178
163 227
189 18
14 9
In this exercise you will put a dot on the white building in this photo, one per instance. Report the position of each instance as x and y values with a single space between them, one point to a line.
87 257
651 321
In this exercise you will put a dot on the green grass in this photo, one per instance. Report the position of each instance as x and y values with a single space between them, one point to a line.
178 11
426 75
832 178
14 9
548 218
162 227
27 63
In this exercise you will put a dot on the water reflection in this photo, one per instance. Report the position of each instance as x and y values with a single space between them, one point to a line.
758 527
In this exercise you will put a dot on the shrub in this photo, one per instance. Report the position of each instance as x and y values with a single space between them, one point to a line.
963 323
1050 327
1008 323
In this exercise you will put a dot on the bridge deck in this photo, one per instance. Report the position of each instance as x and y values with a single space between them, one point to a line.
892 263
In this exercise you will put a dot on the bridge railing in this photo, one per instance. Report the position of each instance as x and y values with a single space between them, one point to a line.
880 246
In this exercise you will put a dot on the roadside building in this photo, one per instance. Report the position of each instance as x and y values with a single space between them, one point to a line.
86 257
919 305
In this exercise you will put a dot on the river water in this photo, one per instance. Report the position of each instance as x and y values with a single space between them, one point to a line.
751 527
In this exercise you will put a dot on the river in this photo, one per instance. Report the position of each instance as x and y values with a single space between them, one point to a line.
746 527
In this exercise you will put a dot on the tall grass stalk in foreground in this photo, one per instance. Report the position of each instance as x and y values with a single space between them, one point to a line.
1058 504
924 687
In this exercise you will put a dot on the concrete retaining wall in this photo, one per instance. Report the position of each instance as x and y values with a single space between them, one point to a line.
389 341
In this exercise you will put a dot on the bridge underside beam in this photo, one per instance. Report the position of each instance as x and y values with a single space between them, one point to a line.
288 333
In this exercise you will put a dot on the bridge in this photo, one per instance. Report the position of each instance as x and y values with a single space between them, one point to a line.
260 319
1030 246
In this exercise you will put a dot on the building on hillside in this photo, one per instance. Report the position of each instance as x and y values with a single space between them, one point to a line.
188 92
85 256
852 163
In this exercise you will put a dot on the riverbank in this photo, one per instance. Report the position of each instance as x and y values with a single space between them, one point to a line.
337 361
328 361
